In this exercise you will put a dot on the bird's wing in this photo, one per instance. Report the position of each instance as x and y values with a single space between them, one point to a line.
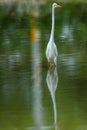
55 49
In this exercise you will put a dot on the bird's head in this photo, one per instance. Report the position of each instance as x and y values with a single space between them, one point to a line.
56 5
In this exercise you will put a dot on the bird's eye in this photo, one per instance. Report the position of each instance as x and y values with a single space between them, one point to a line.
55 5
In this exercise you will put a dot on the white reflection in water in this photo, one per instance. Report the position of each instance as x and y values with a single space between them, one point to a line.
52 82
67 32
70 62
15 58
36 75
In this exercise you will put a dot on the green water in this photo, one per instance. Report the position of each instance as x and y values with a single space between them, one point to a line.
27 99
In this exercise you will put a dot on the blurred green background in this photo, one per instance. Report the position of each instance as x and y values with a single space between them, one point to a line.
26 100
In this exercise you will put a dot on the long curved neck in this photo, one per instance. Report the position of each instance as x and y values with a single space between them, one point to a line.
53 24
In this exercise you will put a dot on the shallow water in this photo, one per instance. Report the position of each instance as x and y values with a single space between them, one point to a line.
32 95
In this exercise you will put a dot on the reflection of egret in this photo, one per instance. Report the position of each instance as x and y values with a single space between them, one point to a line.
52 81
51 51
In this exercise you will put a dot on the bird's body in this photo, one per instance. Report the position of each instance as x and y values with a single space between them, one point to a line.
51 50
51 53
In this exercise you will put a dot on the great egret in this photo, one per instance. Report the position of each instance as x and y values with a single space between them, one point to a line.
51 50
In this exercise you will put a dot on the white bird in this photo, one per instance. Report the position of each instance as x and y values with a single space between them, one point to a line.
51 50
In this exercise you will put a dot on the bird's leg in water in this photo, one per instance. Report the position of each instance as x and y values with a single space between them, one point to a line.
52 68
52 64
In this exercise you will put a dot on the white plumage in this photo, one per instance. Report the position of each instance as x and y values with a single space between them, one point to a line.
52 53
51 50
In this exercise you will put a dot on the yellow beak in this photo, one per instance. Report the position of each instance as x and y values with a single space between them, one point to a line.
58 6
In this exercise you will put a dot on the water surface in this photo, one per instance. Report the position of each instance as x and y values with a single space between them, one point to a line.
32 95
